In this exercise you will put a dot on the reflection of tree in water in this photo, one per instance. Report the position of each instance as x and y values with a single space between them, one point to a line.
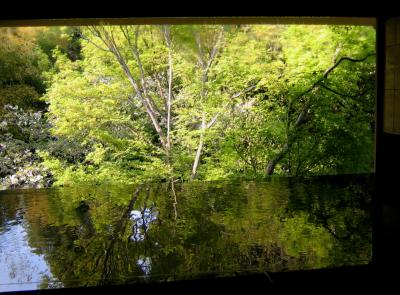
223 227
113 268
342 207
22 264
145 265
109 263
114 237
141 222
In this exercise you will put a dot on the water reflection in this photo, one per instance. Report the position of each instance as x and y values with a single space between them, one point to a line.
21 267
108 235
145 265
141 222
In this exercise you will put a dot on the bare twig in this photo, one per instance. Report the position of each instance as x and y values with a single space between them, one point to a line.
329 70
236 95
301 119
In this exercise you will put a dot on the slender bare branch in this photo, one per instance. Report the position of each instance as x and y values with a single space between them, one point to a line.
200 147
348 59
83 36
236 95
329 70
160 88
134 48
343 94
167 36
200 49
215 50
135 51
301 119
109 41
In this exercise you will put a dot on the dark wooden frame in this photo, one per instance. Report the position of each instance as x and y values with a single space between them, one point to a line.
385 156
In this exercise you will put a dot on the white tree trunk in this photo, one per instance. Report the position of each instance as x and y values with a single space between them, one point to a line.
199 147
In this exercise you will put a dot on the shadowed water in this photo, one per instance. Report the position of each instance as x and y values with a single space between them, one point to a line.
69 237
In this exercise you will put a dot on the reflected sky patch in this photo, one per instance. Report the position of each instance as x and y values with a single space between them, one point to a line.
141 222
20 267
145 265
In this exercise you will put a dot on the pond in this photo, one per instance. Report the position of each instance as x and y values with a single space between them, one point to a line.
87 236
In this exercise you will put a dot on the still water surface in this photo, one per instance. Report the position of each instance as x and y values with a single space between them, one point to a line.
70 237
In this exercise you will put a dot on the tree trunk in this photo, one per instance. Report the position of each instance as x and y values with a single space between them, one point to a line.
205 67
109 41
142 98
199 148
169 98
271 165
301 119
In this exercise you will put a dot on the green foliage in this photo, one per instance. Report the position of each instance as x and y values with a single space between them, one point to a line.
116 146
21 133
66 39
263 88
22 125
296 228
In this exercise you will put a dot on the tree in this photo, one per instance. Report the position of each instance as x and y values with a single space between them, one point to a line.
23 128
129 37
114 141
213 102
323 107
